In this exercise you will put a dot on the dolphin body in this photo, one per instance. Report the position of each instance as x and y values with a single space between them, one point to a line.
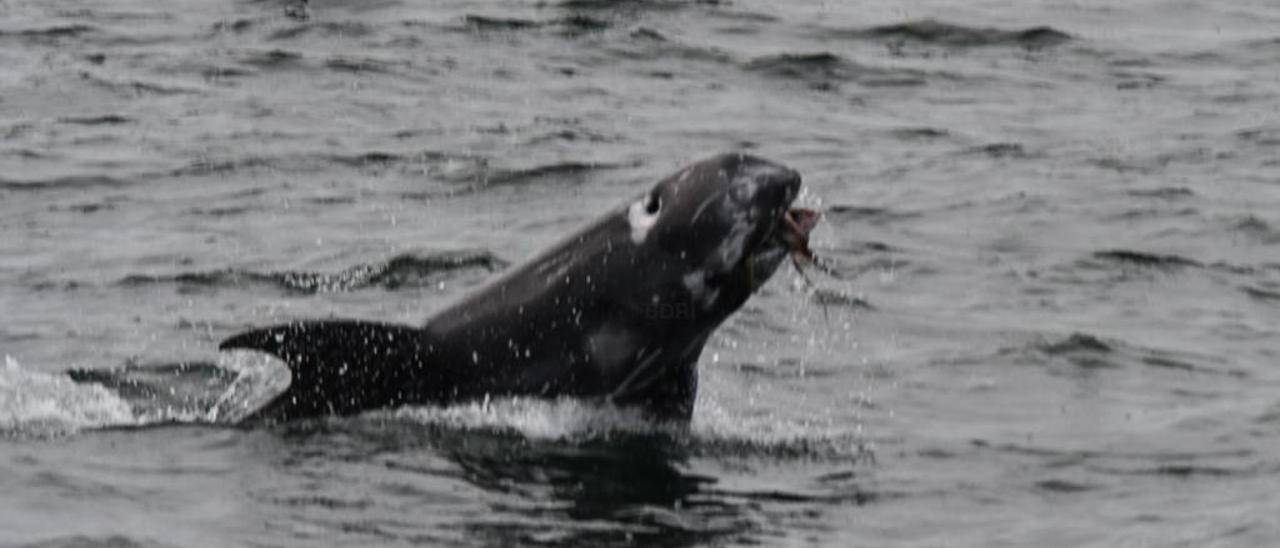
619 311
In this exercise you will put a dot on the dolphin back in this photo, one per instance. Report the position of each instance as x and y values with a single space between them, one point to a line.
343 367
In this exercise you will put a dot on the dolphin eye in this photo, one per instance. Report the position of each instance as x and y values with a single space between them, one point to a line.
653 204
642 214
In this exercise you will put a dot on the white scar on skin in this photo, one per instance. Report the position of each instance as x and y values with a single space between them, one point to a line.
610 346
734 246
641 221
732 249
702 207
696 283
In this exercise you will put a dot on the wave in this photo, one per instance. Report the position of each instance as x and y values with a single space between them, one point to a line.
325 29
1267 136
797 65
1121 265
999 150
918 133
381 157
829 297
453 173
1263 293
648 44
133 88
484 22
938 33
442 165
347 63
1165 192
51 32
237 26
572 25
1181 464
630 5
69 181
479 176
206 166
824 71
1145 260
1087 351
1075 343
275 58
495 177
101 120
211 166
113 541
1255 227
406 270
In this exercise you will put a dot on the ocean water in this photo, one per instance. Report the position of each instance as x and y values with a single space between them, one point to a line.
1053 317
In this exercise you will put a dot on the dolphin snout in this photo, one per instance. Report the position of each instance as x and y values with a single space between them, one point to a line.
762 183
785 181
774 188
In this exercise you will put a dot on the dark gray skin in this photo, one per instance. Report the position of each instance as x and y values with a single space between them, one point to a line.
618 311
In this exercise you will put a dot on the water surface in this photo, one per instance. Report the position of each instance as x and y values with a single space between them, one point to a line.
1056 323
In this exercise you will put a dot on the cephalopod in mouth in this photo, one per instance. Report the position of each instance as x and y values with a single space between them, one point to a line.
797 223
795 227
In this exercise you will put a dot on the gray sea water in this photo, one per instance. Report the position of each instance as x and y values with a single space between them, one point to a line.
1056 319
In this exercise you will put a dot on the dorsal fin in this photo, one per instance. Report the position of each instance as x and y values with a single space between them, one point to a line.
342 367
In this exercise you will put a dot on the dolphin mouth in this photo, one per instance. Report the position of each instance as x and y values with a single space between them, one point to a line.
788 237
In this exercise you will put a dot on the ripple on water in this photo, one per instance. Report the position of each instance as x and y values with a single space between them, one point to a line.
1089 351
86 541
401 271
940 33
1129 401
826 71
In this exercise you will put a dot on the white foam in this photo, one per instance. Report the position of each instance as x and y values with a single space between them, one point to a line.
42 404
573 420
559 419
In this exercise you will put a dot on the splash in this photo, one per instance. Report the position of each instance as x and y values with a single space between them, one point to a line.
38 404
259 378
714 430
564 419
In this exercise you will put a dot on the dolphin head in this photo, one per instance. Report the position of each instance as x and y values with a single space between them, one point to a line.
722 220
